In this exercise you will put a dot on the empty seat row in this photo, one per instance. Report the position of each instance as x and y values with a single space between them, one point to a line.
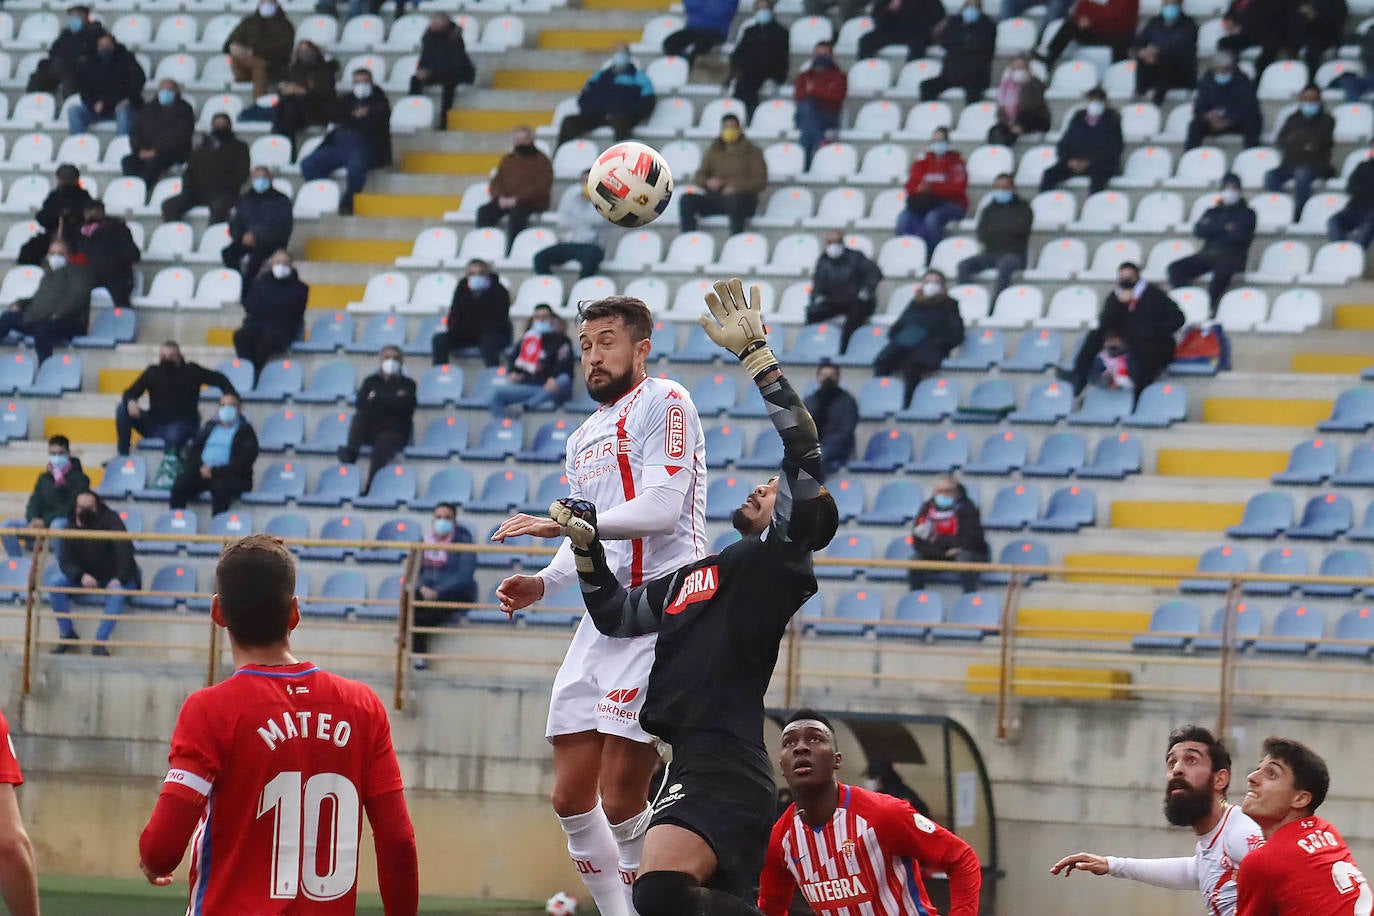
1296 630
1229 561
1326 516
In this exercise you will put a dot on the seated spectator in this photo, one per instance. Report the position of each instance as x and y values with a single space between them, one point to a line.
161 136
539 367
1004 229
1256 23
110 83
969 40
306 92
733 173
843 285
1097 22
1111 368
618 95
384 417
819 93
928 329
1226 230
1317 27
1355 221
1166 53
836 414
361 7
936 191
1021 106
261 225
901 22
707 26
58 310
62 212
1091 146
173 388
444 62
1143 318
273 313
1355 84
259 47
581 233
1225 103
54 494
478 317
1054 9
1305 143
219 459
92 563
838 11
948 528
760 56
359 142
216 174
521 187
110 251
58 72
445 575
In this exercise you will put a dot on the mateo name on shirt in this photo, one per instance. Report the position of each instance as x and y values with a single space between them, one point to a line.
297 725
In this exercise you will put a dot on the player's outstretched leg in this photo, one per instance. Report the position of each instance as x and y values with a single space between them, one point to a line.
592 847
676 893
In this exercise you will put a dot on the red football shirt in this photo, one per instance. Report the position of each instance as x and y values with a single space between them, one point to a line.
9 764
1304 869
283 760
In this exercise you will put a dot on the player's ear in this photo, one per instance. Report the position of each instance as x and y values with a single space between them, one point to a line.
216 614
1221 781
1302 800
839 759
642 349
294 620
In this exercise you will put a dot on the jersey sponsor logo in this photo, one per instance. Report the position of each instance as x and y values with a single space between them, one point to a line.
675 794
623 694
923 824
675 433
585 867
296 689
834 890
600 450
613 706
699 585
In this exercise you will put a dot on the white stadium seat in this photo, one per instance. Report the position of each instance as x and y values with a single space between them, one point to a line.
1281 263
316 198
885 163
1016 307
432 248
837 208
1336 263
1201 167
689 253
482 244
671 117
1251 165
169 242
974 303
361 33
1158 211
902 256
870 77
883 211
1165 253
1193 302
1242 309
875 121
172 287
923 119
683 157
636 251
1060 259
1319 209
385 292
525 246
652 291
537 290
773 118
1294 311
1071 308
1052 209
787 207
1139 122
1109 256
211 245
1034 162
742 254
793 255
432 294
951 250
833 162
1273 211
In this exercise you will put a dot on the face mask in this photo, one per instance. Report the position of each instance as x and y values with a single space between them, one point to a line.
1170 13
621 60
391 366
281 271
58 462
57 261
970 15
822 62
75 23
830 382
166 96
105 50
228 414
167 363
939 147
944 501
1095 109
763 17
932 289
1311 109
1001 196
267 9
222 134
1230 196
1125 284
834 250
1222 78
86 517
1020 76
261 184
443 527
362 90
729 134
541 327
478 283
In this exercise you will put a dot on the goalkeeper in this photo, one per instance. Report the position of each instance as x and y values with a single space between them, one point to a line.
720 621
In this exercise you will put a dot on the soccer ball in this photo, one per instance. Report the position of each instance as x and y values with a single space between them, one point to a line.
560 904
630 185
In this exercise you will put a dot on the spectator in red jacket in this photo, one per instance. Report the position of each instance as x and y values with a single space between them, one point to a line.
819 93
1097 22
936 192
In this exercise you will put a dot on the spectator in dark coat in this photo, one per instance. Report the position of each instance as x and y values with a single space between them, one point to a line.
1097 22
836 414
479 317
161 136
306 92
969 40
110 251
539 366
445 575
1225 103
1355 221
61 215
819 94
54 494
922 336
261 225
59 309
259 47
707 25
1144 317
733 173
948 528
444 62
219 459
359 142
1257 23
1317 27
1355 84
936 191
843 285
839 11
1004 229
58 72
93 564
273 313
1305 142
216 174
901 22
1021 106
760 56
1091 146
111 86
521 187
1226 230
173 388
384 418
1166 53
618 95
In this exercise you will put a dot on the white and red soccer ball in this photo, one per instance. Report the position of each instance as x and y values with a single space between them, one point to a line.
560 904
630 185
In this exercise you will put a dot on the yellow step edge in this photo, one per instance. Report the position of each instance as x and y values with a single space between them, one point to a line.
91 430
1063 683
19 478
440 163
659 5
219 337
404 206
1125 562
1332 363
1354 317
334 295
540 80
483 119
1175 516
1211 462
585 39
1056 623
1265 411
356 251
116 381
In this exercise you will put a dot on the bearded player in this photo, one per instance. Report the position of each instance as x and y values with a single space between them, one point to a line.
641 458
18 875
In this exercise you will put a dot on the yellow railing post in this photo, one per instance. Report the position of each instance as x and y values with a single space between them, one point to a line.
1007 665
212 663
1228 634
403 623
30 611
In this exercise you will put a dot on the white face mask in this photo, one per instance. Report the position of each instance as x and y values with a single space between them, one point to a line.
1230 196
391 366
834 250
281 271
1020 76
1095 109
57 261
267 9
362 90
932 289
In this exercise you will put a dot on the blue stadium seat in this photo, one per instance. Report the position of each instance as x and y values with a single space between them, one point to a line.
1281 561
478 395
1069 509
1021 552
552 486
864 347
1353 412
498 440
1161 405
174 521
1266 515
14 578
811 611
1036 350
280 379
849 494
380 331
880 397
1061 455
853 615
934 399
999 455
329 332
177 577
14 421
16 372
1343 563
284 481
561 609
337 528
1324 518
724 495
124 476
846 546
887 450
550 443
813 343
990 401
288 526
394 485
915 614
766 455
439 385
1359 467
398 530
1046 404
388 590
332 381
895 504
1224 560
1102 407
714 394
1355 632
235 523
58 373
1114 458
975 615
1249 621
132 519
664 341
335 486
724 445
980 351
450 485
698 348
750 404
1172 625
108 327
421 343
1310 462
340 594
1013 508
899 548
443 437
1297 629
502 491
283 429
239 372
1364 531
941 452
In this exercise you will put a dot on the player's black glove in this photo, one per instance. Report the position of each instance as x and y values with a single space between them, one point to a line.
576 519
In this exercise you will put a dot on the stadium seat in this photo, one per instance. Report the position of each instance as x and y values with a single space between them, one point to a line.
1223 560
854 613
840 206
281 430
887 450
478 394
1060 259
714 394
16 372
1335 263
1068 509
973 616
440 385
337 528
845 546
876 120
331 433
973 301
1359 467
990 401
1114 458
1072 307
380 331
1146 167
1353 637
1324 518
1353 412
773 118
833 163
1103 407
1281 561
551 487
915 614
1242 309
549 444
1061 455
898 549
385 292
280 379
341 593
980 351
56 374
1297 629
1341 563
502 490
766 453
123 476
397 530
393 486
1035 351
1013 508
868 341
895 504
1310 462
172 287
1161 405
1266 515
934 399
450 485
999 455
1318 211
849 494
332 381
179 522
316 198
942 452
497 440
1109 256
724 445
1172 626
1021 552
724 495
14 421
1294 311
561 609
175 577
230 525
1246 629
1052 210
1016 307
432 248
335 486
1046 404
328 333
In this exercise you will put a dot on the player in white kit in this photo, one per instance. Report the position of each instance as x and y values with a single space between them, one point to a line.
642 456
1199 770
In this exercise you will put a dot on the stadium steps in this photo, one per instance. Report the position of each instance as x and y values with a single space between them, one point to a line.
431 207
1056 623
1354 317
1053 683
1124 562
441 163
19 478
467 119
356 251
1160 515
1266 411
87 430
1326 363
585 39
116 381
544 80
1181 462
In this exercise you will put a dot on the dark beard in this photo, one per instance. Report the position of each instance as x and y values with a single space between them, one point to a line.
1187 808
741 522
613 389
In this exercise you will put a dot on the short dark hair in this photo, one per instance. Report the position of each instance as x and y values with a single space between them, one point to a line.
1220 756
1128 265
639 321
68 172
446 505
255 581
730 118
1309 769
823 43
807 712
939 273
1097 93
1310 87
363 71
60 441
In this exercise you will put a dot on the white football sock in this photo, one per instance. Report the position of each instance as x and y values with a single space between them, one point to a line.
629 837
593 849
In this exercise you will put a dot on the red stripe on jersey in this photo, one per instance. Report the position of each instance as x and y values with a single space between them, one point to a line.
627 483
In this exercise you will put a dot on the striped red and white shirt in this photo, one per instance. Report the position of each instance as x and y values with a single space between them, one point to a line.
866 861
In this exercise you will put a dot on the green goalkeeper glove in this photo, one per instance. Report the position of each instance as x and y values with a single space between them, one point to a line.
736 324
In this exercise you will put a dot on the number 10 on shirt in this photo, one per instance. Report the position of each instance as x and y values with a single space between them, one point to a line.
321 814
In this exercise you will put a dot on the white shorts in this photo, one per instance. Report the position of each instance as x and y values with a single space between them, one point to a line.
600 686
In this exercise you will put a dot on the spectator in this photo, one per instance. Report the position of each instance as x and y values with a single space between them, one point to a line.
969 40
58 72
447 576
260 225
1355 84
359 142
1054 9
54 494
1004 229
216 174
901 22
539 367
60 216
836 414
1166 53
819 93
522 186
1256 23
306 92
760 56
948 529
161 136
733 173
844 285
618 95
110 83
173 388
1305 142
708 25
582 234
1355 221
384 418
936 191
1091 146
1226 231
1097 22
1317 27
478 317
110 251
922 336
1021 107
92 563
1225 103
444 62
273 312
58 310
840 11
1144 319
219 459
259 47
